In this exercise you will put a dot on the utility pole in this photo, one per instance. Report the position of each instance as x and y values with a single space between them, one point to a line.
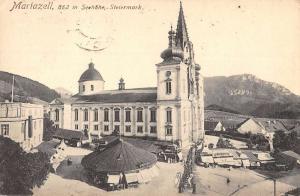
274 180
12 89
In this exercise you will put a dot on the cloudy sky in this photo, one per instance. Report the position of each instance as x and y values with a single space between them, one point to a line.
260 37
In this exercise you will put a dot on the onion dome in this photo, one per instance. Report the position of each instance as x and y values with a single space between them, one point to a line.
90 74
172 52
119 157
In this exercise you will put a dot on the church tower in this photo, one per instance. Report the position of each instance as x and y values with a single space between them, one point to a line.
179 93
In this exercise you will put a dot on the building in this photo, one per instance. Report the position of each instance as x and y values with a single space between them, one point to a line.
22 122
213 126
173 110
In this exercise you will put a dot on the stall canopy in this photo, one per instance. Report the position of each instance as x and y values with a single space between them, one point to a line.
119 157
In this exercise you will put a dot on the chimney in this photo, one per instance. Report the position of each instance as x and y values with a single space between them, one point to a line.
121 84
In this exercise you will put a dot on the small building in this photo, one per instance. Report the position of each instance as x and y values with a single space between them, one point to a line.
71 137
289 157
213 126
254 161
22 122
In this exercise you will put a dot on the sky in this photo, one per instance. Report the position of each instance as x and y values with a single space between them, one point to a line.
260 37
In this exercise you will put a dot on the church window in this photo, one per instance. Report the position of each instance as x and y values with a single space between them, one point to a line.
152 115
127 116
117 115
86 127
5 129
106 113
153 129
140 129
96 115
86 115
56 115
128 128
76 114
168 87
169 130
169 115
140 115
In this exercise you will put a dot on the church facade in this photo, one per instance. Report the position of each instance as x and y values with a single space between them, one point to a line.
172 111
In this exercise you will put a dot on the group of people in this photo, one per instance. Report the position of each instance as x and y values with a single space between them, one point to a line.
187 177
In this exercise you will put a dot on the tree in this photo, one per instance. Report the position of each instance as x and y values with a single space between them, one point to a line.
49 129
21 171
223 143
285 141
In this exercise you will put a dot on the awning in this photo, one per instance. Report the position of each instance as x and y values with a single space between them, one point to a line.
132 177
113 179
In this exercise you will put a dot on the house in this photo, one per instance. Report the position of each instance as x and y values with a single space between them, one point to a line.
22 122
264 127
213 126
289 157
171 111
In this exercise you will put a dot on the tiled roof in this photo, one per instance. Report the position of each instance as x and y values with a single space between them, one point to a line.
271 125
120 96
292 154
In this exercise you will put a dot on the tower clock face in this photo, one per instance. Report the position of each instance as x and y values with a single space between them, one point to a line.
168 73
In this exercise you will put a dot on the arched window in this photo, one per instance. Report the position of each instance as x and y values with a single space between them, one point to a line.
86 115
140 115
117 115
96 115
169 130
76 114
106 115
152 115
168 86
127 115
169 115
56 115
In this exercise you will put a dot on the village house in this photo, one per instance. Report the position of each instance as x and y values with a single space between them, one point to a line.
171 111
22 122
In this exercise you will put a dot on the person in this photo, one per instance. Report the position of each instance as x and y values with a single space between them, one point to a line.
193 183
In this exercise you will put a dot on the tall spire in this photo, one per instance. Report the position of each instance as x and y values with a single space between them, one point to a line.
181 32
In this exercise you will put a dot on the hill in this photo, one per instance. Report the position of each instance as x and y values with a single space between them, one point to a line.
24 89
247 94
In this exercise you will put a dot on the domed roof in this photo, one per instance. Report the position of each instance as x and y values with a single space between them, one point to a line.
90 74
120 157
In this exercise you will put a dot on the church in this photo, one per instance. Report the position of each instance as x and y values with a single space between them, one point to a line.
171 111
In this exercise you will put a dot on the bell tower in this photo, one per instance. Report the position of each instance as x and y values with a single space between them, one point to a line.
179 88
